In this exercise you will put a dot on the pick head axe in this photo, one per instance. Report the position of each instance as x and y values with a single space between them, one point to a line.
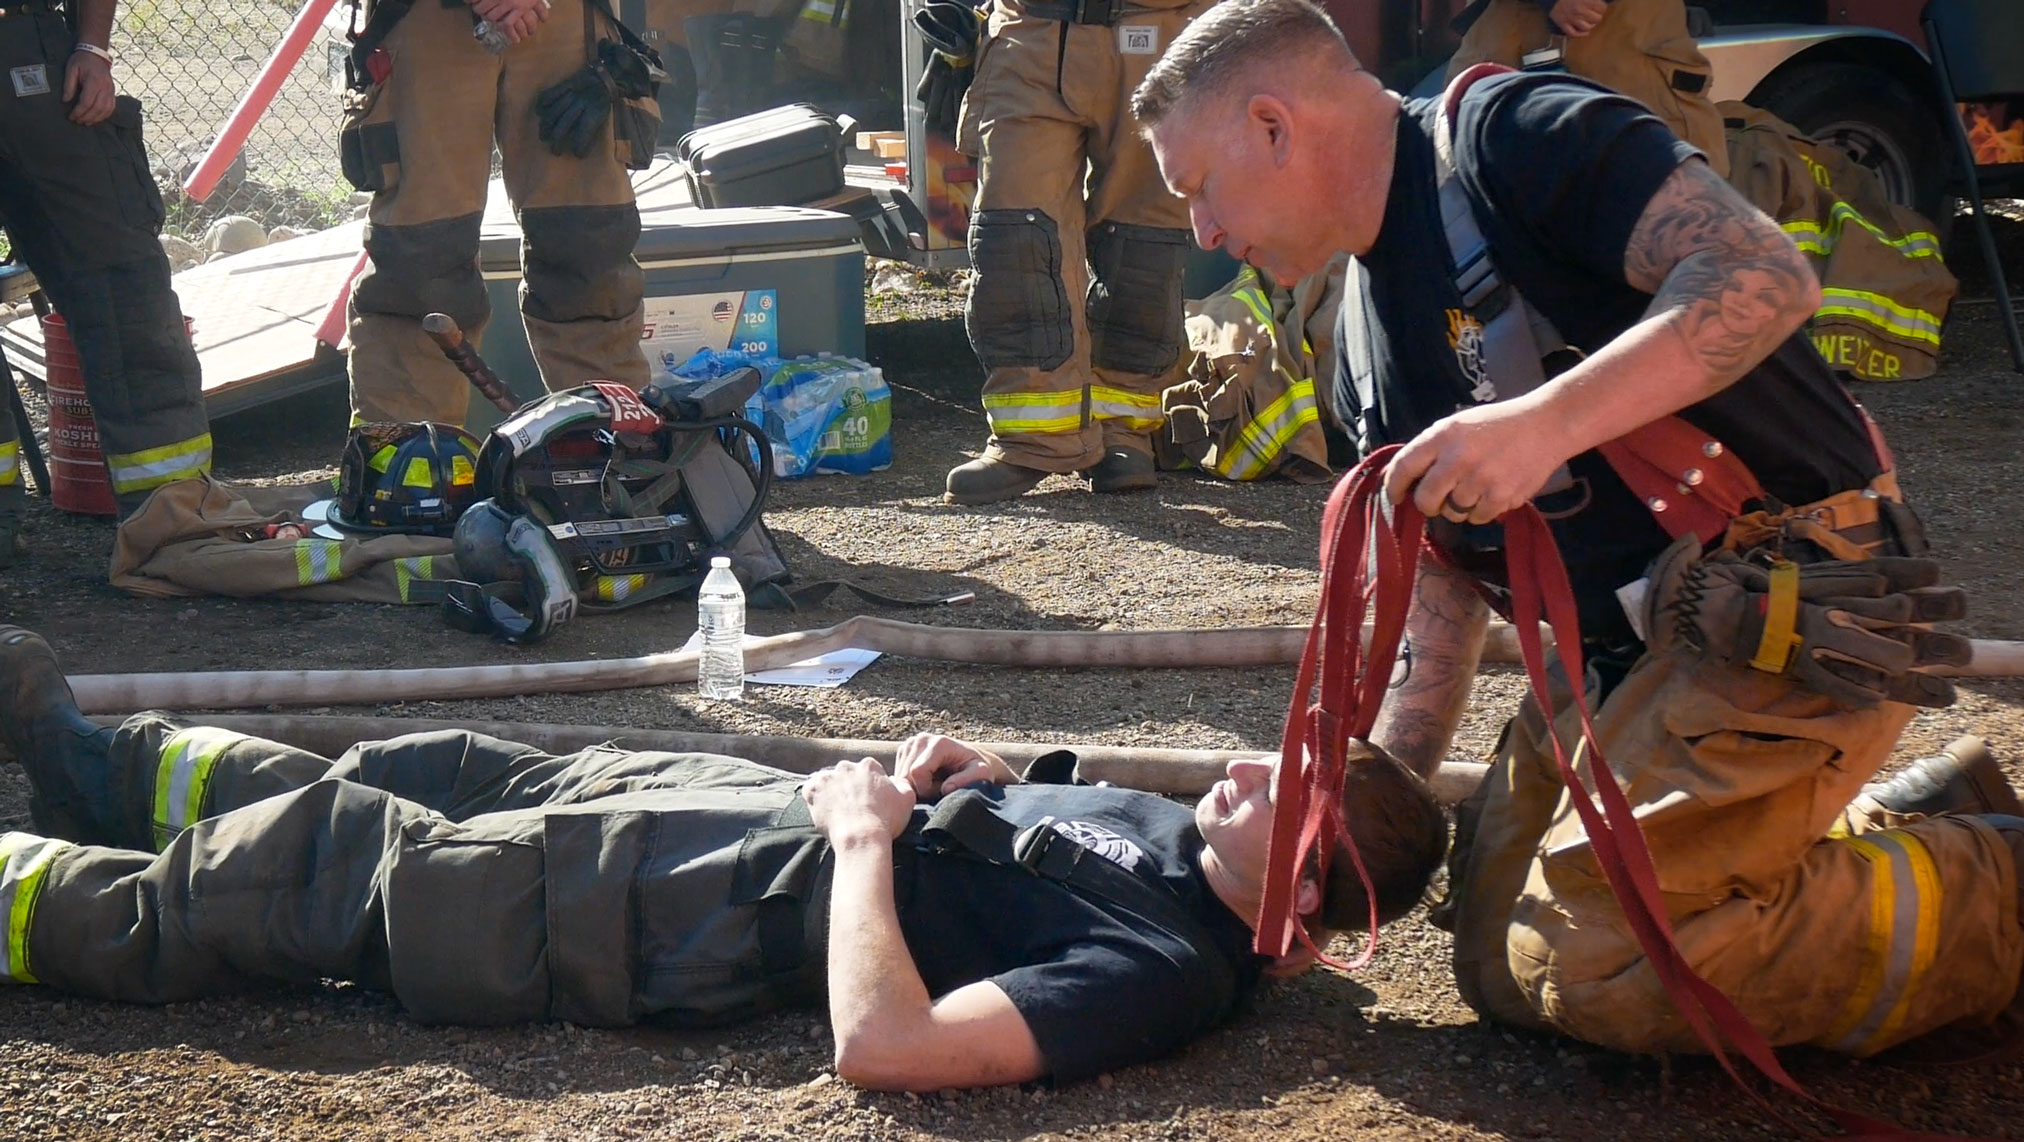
444 331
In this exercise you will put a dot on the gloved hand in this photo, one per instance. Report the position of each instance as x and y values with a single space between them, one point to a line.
951 29
572 113
1849 630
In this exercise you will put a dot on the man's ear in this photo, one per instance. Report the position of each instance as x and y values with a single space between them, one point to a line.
1270 115
1307 898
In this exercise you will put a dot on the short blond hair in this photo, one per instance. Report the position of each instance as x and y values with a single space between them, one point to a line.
1231 40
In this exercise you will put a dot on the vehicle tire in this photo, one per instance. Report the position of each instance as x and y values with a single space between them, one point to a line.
1879 120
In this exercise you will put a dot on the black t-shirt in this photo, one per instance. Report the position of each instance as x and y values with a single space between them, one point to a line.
1559 170
1099 987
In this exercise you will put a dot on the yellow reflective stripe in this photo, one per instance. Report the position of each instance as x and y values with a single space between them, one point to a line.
153 467
1254 300
1904 921
24 864
10 468
1011 413
183 777
318 561
1136 410
461 472
616 588
1816 239
1261 441
381 460
420 473
1780 639
409 569
1878 310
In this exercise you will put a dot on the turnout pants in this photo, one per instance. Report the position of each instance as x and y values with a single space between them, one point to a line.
1850 942
1079 249
81 208
426 136
1641 49
477 880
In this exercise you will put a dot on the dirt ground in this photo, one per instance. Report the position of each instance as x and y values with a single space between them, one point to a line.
1388 1053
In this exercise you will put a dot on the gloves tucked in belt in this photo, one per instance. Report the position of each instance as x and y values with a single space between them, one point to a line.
1848 630
572 113
951 28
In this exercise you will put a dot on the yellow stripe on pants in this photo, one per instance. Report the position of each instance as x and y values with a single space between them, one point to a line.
24 862
1013 413
1139 411
183 776
1904 914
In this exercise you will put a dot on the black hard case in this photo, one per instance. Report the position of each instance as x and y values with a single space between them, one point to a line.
784 156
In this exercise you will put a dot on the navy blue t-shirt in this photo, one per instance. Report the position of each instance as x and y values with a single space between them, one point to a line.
1099 987
1559 171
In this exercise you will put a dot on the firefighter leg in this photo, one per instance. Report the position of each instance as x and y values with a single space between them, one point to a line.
1642 49
1025 313
421 233
580 290
1138 245
1736 777
83 212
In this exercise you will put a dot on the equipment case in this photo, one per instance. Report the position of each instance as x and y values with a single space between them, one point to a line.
779 157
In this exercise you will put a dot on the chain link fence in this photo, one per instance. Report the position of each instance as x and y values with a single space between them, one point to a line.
189 62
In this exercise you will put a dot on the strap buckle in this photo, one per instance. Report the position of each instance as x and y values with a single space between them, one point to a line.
1032 844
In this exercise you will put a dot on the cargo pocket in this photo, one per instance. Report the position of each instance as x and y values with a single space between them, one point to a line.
1136 308
368 145
636 129
140 200
1018 311
467 921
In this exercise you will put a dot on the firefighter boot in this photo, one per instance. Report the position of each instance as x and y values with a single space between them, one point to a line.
1963 779
987 479
67 756
1123 470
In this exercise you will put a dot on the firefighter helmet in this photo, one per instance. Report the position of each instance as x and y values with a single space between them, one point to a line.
414 477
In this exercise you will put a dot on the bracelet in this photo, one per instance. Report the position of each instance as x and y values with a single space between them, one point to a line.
93 49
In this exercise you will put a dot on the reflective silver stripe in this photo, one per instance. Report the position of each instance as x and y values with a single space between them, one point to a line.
24 862
1137 410
183 776
318 561
1904 908
1014 413
410 568
1882 312
139 471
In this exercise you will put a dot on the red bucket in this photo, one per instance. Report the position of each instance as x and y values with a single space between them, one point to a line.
77 476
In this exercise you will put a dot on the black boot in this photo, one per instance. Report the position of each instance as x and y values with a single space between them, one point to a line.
67 756
1963 779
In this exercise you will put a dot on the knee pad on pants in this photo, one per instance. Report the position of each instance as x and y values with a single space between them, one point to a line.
580 263
1018 311
1135 301
428 267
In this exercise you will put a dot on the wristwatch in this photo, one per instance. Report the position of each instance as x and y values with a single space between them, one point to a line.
93 49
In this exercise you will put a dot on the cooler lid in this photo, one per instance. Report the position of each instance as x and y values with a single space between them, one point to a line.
671 229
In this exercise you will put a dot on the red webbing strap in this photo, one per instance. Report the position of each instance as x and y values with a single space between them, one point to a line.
1369 556
1686 477
1539 585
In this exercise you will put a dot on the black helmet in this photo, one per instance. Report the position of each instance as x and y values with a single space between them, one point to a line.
415 477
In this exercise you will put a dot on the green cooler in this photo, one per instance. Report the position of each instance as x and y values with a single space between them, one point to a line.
782 280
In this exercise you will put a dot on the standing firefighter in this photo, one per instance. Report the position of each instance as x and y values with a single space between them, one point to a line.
1638 47
82 210
1754 600
1079 249
571 101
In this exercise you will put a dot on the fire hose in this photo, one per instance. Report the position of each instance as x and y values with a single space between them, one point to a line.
1231 647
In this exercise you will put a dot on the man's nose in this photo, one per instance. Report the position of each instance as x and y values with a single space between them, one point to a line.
1249 773
1208 235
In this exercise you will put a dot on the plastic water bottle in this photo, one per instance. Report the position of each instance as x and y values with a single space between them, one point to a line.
720 615
490 36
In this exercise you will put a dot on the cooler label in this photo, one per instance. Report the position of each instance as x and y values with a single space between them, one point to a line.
743 321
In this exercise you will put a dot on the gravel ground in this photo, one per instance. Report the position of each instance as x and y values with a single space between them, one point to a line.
1388 1053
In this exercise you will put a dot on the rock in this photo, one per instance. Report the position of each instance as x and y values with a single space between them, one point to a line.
235 234
180 251
689 1055
823 1079
187 264
283 234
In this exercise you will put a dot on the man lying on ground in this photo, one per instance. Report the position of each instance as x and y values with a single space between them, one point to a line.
1016 931
1784 652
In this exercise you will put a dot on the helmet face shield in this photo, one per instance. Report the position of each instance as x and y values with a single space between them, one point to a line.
413 478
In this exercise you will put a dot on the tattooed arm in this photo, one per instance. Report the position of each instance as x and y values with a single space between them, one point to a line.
1444 643
1727 288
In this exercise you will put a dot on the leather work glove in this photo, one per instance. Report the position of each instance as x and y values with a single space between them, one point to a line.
572 113
1850 630
952 29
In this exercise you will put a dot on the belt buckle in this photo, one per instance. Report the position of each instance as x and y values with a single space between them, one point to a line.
1029 847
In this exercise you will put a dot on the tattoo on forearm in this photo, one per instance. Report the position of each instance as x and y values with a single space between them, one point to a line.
1733 282
1425 704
